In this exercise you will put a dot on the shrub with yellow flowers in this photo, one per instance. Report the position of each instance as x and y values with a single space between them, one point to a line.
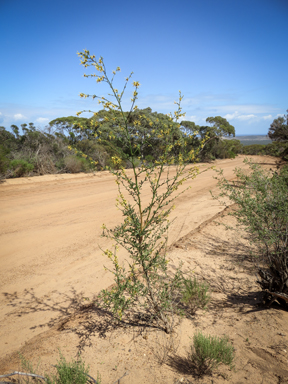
143 284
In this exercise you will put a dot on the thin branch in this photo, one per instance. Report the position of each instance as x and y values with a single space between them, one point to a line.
118 380
24 374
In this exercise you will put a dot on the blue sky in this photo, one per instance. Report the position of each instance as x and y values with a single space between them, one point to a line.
228 57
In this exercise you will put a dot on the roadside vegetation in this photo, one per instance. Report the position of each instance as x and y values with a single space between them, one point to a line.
74 144
71 144
261 198
64 372
77 144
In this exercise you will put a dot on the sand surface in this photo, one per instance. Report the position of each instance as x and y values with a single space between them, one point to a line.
52 266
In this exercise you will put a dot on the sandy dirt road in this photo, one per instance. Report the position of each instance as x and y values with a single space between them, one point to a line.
50 236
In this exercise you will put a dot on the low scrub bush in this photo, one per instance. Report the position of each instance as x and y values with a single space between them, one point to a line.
75 164
208 352
4 162
262 200
195 295
74 372
21 167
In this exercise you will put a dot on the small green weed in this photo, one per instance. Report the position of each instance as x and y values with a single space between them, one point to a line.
195 295
74 372
207 352
26 365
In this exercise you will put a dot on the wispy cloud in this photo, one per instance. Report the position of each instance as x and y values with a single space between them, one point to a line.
247 108
247 117
161 102
237 116
190 118
42 120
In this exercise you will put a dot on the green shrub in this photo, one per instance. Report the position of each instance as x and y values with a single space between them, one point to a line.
284 173
75 164
60 164
74 372
21 167
208 352
4 162
195 295
27 366
261 198
150 159
226 149
254 149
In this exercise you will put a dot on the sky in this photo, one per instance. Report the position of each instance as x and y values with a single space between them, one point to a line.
228 58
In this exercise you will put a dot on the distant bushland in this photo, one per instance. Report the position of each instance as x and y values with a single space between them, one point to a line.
77 144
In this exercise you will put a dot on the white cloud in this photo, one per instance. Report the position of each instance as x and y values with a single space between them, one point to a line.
268 117
42 120
19 116
237 116
232 116
246 117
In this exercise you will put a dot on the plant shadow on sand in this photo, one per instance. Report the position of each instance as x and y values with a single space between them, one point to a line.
69 312
235 251
183 365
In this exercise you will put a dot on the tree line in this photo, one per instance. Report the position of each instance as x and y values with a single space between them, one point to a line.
77 144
